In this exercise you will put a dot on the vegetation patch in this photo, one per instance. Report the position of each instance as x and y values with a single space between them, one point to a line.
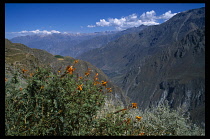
59 56
64 104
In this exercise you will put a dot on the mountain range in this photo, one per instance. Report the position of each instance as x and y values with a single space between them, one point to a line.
69 44
54 43
147 64
161 62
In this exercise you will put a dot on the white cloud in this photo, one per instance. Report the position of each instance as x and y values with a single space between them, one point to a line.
55 31
36 32
90 26
25 32
147 18
167 15
131 17
102 23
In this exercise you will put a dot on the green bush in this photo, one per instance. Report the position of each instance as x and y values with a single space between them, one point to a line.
65 105
163 121
58 56
51 104
156 121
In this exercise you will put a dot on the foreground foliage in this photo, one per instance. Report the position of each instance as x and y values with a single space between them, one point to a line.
63 104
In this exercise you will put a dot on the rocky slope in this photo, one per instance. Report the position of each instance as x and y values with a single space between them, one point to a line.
161 62
19 56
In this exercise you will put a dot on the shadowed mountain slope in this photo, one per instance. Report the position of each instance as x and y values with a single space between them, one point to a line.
161 62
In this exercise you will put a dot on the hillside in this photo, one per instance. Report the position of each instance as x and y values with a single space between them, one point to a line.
161 62
19 56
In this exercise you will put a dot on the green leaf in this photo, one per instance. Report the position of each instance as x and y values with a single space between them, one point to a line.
61 118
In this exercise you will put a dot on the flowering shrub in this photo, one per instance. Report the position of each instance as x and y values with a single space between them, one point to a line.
155 121
63 104
51 104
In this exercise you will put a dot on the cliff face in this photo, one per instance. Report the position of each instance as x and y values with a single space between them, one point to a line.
162 62
175 73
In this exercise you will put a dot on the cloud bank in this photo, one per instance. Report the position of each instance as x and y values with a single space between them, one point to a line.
25 32
147 18
37 32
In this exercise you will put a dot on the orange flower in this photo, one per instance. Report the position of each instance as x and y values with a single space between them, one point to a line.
67 67
6 79
79 87
109 89
76 61
138 118
141 134
24 70
70 69
31 74
80 78
96 82
21 89
134 105
96 77
42 87
87 73
104 83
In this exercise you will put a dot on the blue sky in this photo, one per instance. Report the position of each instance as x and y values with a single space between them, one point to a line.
47 18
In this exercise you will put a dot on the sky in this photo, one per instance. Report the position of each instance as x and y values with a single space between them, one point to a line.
47 18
